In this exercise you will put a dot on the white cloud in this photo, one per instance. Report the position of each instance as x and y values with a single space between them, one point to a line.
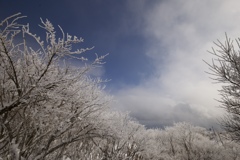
181 32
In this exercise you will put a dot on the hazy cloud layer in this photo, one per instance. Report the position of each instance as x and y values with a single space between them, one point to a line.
179 34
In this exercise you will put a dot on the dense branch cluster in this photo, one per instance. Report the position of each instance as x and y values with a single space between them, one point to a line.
52 110
45 104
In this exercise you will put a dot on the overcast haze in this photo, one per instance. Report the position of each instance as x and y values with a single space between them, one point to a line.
156 50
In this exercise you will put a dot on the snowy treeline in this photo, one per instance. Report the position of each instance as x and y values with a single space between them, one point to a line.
52 110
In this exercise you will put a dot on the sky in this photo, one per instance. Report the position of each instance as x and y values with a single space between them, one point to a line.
156 50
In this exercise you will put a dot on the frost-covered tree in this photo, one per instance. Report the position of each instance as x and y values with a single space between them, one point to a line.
46 106
225 69
184 141
123 138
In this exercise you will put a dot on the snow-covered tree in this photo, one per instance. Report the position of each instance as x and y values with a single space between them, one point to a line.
122 137
46 105
225 69
184 141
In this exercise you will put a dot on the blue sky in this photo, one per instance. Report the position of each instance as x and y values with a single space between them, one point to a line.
155 47
110 26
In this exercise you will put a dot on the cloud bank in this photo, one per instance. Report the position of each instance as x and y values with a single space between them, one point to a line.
179 33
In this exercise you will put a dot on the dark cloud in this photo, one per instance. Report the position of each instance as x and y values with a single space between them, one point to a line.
167 116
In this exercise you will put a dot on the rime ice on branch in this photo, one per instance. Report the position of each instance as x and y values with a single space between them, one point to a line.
46 105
